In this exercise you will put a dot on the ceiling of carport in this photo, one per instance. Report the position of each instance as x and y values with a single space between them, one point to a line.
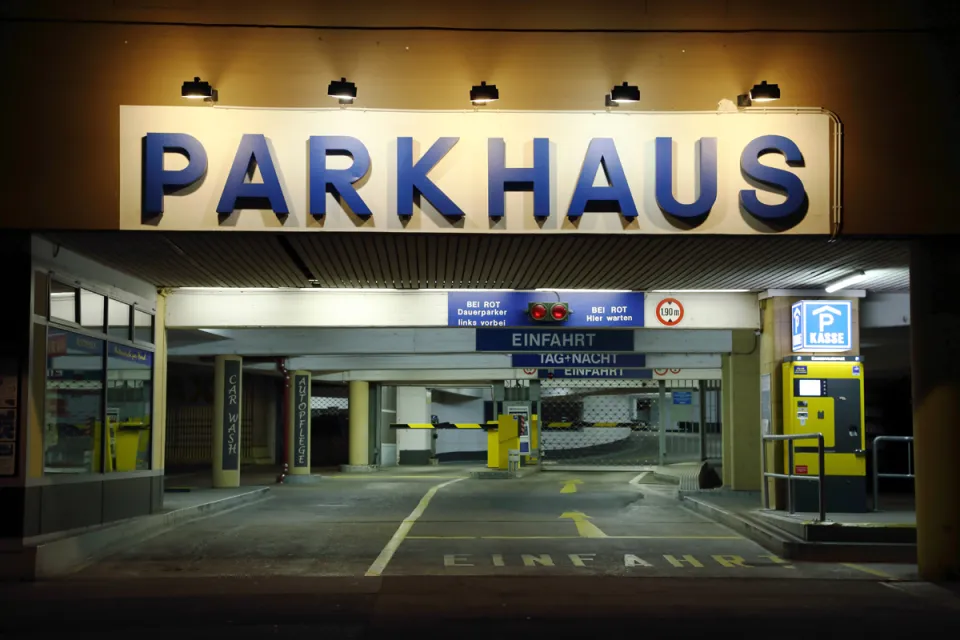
451 261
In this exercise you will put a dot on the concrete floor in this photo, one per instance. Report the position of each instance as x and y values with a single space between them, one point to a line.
438 522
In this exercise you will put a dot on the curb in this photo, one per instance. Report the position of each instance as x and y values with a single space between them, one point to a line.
790 547
769 540
69 554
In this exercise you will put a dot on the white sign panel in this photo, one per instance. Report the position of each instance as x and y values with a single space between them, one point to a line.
216 168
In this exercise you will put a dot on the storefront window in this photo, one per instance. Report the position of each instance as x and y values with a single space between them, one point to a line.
91 310
73 423
142 327
129 407
118 316
63 302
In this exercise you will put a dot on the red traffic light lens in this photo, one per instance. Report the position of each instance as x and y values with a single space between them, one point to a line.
538 312
559 312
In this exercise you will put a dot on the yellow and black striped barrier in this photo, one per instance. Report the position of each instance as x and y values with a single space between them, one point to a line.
438 425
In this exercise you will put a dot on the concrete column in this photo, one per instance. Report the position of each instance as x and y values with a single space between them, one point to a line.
227 404
741 411
663 417
298 424
359 427
935 364
726 419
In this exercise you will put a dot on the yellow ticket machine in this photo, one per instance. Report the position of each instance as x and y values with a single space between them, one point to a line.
824 394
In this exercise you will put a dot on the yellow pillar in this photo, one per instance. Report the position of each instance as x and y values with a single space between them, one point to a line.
359 424
227 404
935 352
298 424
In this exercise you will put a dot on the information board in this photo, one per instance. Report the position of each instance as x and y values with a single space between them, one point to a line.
553 340
510 309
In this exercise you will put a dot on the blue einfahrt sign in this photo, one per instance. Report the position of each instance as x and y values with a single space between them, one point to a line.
511 309
822 325
541 360
554 340
626 374
682 397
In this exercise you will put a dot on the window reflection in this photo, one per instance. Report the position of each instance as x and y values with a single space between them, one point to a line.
129 407
63 302
118 319
74 403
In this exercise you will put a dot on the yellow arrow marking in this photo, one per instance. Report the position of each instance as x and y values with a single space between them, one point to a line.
585 528
571 486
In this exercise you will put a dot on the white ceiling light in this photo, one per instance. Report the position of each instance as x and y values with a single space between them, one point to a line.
853 278
585 290
701 291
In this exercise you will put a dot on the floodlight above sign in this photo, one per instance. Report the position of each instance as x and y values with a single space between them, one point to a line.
822 325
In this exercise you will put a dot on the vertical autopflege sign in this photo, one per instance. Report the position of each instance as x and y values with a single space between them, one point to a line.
231 415
9 388
301 425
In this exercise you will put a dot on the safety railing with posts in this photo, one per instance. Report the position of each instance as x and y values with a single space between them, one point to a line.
790 476
876 462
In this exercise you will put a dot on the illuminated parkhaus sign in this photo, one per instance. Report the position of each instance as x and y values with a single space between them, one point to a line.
717 175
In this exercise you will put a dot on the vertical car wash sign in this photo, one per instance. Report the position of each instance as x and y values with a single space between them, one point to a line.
231 415
822 325
301 425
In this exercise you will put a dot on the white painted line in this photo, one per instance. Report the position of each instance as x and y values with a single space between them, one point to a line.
380 564
636 480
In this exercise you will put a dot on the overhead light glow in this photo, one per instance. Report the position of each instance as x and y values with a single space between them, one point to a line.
585 290
342 90
700 291
625 93
853 278
197 89
483 93
764 92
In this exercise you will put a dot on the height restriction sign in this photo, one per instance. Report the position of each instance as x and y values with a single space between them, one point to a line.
669 312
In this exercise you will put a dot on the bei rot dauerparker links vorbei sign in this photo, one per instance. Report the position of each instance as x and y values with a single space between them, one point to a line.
188 168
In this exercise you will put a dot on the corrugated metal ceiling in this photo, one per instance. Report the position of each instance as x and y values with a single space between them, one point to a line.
400 260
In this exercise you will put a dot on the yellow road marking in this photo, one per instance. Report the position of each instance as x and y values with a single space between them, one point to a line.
373 477
380 564
571 486
585 528
874 572
573 537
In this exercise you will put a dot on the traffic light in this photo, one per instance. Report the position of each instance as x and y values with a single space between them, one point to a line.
548 311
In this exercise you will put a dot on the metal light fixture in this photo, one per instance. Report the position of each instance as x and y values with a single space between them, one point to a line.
762 92
853 278
342 90
198 89
483 93
621 94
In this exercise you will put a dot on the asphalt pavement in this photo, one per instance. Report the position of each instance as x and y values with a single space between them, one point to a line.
564 554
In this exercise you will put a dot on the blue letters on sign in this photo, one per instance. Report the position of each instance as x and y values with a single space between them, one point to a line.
632 374
539 360
339 182
252 153
156 181
412 178
501 179
706 186
776 180
547 340
602 152
822 325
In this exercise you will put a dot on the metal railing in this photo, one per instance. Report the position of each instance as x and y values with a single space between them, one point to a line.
876 462
790 476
